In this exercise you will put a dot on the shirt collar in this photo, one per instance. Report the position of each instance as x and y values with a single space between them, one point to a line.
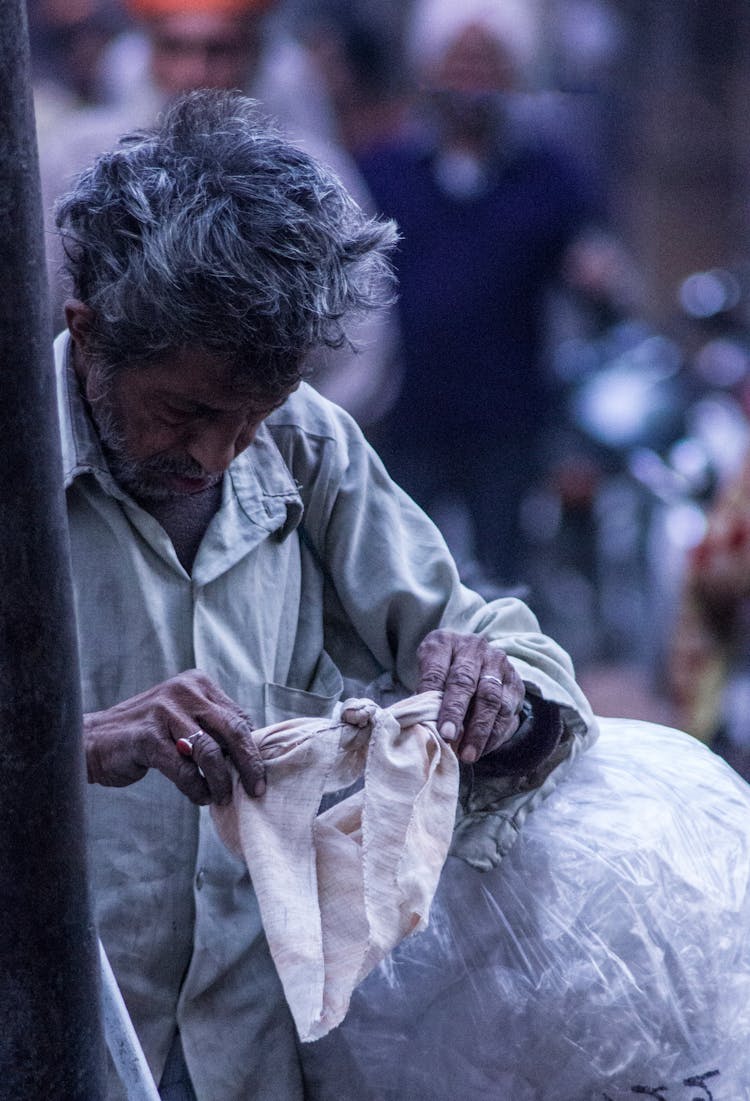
259 478
81 451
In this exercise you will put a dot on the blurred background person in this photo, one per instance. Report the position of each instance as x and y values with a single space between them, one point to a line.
358 52
69 39
173 46
488 209
709 668
641 106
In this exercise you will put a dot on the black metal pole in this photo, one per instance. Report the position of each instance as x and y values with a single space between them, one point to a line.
50 1035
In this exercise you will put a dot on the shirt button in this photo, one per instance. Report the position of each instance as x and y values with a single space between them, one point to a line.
199 879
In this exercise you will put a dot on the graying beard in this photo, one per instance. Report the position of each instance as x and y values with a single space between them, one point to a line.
133 475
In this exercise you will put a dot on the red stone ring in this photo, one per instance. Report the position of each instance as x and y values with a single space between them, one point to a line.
185 745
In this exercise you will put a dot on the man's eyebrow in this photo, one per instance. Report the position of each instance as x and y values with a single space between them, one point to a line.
181 400
199 405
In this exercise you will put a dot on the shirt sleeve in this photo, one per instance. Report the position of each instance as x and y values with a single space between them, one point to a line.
394 581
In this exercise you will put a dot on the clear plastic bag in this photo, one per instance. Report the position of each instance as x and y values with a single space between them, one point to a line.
608 957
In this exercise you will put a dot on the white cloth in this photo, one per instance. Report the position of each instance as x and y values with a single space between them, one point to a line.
339 890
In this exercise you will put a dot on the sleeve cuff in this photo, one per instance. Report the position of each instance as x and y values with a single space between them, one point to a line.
536 739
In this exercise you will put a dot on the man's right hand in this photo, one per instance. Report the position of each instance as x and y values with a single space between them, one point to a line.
125 741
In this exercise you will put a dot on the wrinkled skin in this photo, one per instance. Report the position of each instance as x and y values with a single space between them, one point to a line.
477 715
122 743
125 741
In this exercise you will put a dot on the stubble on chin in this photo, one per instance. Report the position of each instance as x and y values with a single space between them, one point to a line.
151 479
144 479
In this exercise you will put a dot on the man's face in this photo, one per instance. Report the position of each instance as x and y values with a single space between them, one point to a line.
203 50
475 62
172 428
468 83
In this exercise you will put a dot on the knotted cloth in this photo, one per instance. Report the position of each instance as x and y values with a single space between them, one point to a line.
339 890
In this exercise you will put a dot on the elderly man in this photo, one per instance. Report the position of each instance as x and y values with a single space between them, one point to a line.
241 556
182 45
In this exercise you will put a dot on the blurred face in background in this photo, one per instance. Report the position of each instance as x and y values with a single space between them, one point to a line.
467 83
475 61
207 49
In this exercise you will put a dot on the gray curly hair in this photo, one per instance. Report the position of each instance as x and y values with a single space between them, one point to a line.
212 230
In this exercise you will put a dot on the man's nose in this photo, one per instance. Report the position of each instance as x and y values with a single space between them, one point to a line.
202 71
215 446
195 67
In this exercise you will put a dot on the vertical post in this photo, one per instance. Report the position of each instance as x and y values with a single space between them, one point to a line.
50 1033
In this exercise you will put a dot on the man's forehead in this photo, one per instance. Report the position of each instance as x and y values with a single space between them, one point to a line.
201 26
205 377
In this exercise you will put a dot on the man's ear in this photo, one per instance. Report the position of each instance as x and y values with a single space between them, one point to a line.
78 317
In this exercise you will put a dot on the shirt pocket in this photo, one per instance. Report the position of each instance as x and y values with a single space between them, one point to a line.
326 688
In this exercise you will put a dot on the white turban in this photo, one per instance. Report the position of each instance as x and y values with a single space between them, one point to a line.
435 24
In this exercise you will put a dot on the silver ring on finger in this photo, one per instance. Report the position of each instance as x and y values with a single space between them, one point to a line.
489 676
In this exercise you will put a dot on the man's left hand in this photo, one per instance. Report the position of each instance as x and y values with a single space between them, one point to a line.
482 692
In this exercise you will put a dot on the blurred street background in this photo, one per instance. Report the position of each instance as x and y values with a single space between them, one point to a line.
565 382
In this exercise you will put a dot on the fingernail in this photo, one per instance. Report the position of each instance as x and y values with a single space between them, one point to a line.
259 788
469 755
448 731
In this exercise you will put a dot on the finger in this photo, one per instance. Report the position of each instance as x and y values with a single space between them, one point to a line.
188 779
434 656
232 729
233 732
460 685
164 756
505 727
509 712
210 763
484 714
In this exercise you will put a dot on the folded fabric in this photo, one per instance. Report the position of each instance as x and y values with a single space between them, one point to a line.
339 890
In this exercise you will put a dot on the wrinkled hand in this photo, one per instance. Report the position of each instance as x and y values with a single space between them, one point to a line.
125 741
482 692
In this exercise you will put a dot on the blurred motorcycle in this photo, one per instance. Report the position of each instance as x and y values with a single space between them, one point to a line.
651 424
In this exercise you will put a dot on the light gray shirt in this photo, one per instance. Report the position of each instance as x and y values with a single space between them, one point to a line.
316 578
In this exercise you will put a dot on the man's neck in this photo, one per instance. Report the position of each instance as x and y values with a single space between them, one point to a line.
185 519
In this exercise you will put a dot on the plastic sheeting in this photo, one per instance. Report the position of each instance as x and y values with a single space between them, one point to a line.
608 957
